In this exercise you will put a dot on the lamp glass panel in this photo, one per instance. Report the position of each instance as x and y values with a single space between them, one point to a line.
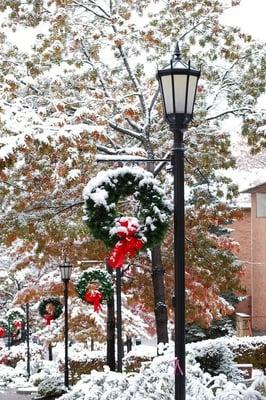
65 271
179 90
192 86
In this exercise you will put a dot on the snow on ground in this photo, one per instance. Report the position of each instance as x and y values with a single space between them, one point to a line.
155 381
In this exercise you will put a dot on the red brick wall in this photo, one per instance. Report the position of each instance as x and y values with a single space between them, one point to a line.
242 234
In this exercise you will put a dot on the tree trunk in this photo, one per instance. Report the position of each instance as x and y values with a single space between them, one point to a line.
160 309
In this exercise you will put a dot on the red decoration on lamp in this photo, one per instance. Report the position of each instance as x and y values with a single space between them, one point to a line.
129 243
94 297
2 332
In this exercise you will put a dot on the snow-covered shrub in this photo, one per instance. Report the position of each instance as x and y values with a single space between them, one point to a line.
7 375
136 357
249 350
82 361
43 370
156 382
52 386
260 384
214 357
220 328
79 367
18 353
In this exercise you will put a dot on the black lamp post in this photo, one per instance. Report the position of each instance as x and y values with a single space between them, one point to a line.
119 320
65 271
178 83
28 338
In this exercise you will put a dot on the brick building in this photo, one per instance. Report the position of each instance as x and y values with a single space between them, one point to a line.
250 232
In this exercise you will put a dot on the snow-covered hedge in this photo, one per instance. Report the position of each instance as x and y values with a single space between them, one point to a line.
249 350
155 381
50 387
214 357
220 355
15 354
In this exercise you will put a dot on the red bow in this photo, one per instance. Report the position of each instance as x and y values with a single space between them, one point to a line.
128 245
48 318
17 324
2 332
94 297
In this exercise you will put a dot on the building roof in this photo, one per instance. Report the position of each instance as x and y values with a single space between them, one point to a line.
255 189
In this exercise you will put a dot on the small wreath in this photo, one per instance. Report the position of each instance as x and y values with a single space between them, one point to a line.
3 328
56 310
103 291
16 314
101 197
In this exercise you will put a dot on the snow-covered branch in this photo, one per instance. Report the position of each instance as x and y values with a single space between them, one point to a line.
104 14
131 76
236 111
126 131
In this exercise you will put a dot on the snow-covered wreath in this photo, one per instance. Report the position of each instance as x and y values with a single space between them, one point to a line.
3 327
102 194
94 286
16 317
50 309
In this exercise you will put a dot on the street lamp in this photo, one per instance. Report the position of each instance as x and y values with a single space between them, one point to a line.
178 84
65 271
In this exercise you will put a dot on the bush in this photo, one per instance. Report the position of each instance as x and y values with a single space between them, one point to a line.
80 367
214 357
51 387
249 350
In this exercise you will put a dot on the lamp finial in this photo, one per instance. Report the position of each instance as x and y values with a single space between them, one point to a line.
177 54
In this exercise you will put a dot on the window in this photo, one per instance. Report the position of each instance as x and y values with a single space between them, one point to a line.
261 205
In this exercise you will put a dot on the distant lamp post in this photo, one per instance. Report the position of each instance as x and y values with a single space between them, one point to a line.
65 271
178 83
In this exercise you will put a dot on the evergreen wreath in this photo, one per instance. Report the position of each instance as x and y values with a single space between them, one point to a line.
95 275
56 303
101 197
3 327
15 314
4 324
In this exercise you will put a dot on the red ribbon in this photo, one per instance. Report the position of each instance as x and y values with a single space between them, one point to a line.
17 324
128 245
48 318
178 368
94 297
2 332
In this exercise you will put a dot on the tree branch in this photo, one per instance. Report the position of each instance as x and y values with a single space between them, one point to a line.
134 125
234 112
161 165
126 131
105 16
